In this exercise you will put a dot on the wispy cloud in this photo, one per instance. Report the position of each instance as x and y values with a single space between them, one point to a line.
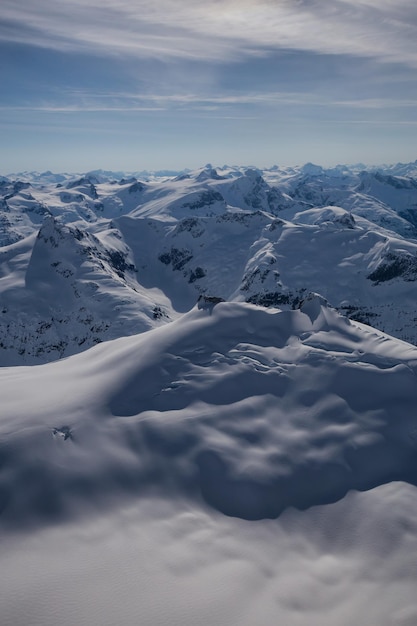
176 78
80 101
216 29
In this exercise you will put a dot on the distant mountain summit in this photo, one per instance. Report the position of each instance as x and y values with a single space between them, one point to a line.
90 257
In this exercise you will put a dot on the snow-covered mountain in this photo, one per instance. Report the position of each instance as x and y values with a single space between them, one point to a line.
93 257
232 438
329 395
237 463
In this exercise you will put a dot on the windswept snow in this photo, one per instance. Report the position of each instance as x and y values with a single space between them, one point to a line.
154 452
163 564
253 410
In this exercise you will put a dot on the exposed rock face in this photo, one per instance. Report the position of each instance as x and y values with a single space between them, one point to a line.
392 266
208 302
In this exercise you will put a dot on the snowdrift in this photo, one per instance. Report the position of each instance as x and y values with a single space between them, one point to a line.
245 410
138 479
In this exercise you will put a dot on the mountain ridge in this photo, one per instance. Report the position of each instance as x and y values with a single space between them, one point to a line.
136 254
158 413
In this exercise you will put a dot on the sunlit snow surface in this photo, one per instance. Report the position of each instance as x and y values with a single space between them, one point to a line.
237 466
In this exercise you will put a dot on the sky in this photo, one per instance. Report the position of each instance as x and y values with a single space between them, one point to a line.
173 84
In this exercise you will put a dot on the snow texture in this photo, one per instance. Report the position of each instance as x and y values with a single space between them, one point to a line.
143 459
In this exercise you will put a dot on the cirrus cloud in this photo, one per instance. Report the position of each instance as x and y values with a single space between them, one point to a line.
216 30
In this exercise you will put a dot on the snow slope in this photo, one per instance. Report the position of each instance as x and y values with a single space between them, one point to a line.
239 464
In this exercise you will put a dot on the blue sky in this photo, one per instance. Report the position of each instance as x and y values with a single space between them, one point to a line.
156 84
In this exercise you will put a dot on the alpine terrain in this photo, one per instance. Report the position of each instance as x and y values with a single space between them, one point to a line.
208 397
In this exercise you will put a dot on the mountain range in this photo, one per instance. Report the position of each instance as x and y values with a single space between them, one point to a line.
208 397
88 258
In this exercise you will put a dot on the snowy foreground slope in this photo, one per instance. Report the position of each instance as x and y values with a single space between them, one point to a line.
85 259
240 465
